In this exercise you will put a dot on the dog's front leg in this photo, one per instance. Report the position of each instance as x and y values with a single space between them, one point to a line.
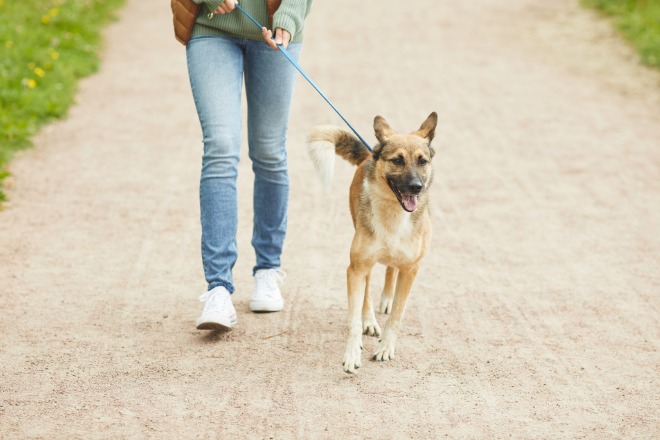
386 346
387 297
356 277
369 323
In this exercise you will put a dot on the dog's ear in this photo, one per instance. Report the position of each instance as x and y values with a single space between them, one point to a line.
377 149
427 129
431 151
382 129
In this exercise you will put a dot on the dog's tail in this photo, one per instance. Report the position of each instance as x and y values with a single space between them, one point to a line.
326 141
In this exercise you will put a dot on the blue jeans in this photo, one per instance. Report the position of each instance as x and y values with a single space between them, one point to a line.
217 66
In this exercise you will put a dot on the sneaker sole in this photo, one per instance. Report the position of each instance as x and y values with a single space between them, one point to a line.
212 326
215 324
266 307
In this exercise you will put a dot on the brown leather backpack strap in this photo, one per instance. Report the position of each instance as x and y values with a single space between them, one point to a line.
272 6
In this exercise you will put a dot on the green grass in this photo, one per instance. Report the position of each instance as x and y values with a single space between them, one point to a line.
638 21
45 47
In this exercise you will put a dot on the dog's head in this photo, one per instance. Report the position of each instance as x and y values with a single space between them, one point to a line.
403 161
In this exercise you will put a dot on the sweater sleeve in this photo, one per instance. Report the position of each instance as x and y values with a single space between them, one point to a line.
291 15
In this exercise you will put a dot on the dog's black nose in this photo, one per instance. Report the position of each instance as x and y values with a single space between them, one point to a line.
412 184
415 189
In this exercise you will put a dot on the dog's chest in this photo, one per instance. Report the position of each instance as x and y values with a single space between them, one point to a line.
395 237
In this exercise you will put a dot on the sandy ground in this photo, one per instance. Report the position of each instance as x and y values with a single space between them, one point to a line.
536 313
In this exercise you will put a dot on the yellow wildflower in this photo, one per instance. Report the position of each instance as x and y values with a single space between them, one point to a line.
54 54
53 12
30 83
39 72
45 19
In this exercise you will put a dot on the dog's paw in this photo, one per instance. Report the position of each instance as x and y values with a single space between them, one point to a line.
386 304
370 327
353 355
384 352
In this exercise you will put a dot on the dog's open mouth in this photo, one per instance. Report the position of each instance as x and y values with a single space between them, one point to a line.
407 201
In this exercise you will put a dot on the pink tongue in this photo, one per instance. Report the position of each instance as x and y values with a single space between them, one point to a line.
409 202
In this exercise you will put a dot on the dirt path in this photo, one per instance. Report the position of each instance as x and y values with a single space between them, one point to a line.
537 313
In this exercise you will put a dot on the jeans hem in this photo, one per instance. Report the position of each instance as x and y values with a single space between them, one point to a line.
256 268
229 287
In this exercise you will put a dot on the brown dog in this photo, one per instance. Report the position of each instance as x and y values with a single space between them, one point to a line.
389 205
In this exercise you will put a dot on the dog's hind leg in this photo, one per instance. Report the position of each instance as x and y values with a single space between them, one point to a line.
388 290
386 346
369 324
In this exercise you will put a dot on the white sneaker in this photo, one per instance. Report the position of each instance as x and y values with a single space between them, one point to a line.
219 312
267 296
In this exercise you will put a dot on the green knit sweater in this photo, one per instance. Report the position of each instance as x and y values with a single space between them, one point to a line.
290 16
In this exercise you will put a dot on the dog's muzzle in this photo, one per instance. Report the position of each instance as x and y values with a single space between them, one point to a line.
407 194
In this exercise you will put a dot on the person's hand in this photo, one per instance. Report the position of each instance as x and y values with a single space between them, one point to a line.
226 7
282 37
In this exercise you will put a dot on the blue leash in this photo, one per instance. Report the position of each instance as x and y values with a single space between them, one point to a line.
309 80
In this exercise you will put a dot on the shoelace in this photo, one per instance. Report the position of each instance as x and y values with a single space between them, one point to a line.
271 276
212 298
204 296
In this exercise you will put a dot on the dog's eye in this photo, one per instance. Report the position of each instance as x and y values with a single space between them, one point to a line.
397 160
422 161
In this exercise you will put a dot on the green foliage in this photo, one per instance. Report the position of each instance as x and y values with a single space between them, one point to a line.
638 21
45 47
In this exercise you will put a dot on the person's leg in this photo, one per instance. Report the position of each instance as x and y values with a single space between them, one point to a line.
215 66
269 82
